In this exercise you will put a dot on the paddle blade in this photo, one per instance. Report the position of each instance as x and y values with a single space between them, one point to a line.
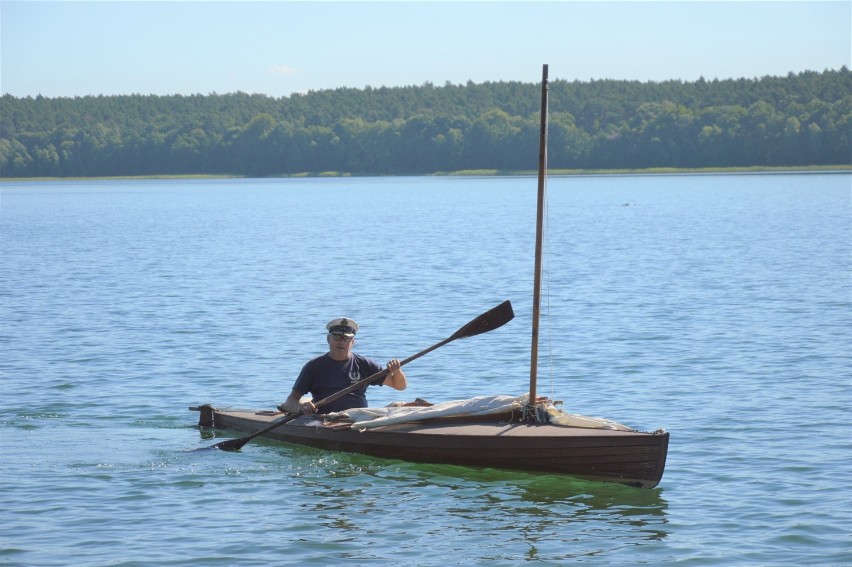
232 444
488 321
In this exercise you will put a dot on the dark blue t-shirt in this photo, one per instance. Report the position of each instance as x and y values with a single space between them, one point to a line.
324 376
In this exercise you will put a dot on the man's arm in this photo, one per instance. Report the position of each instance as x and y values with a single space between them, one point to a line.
396 377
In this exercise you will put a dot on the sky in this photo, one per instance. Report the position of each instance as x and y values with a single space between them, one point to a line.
277 48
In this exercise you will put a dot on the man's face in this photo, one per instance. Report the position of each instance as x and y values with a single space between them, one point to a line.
340 346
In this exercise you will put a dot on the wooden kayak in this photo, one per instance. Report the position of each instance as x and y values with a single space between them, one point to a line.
630 457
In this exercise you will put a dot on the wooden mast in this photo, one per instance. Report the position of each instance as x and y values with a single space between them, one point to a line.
539 229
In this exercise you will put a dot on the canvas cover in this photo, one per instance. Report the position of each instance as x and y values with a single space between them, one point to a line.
371 418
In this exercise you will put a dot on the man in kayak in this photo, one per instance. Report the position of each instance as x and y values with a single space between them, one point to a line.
337 369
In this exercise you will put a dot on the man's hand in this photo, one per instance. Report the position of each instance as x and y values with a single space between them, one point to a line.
293 405
396 377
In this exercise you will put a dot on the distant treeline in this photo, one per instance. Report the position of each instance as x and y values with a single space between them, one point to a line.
802 119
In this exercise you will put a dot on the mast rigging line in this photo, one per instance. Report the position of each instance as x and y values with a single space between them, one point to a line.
546 273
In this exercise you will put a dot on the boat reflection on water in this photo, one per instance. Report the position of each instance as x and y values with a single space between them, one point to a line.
345 490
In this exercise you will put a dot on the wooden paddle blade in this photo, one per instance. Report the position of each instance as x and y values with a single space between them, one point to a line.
232 444
488 321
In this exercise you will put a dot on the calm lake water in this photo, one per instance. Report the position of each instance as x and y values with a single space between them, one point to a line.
717 307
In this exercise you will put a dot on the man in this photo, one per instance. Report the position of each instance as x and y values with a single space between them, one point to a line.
337 369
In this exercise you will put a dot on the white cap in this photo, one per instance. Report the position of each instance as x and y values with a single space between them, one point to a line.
342 326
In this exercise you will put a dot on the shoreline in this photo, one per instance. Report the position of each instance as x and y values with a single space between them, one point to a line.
835 169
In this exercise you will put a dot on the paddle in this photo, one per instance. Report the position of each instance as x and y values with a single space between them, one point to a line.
488 321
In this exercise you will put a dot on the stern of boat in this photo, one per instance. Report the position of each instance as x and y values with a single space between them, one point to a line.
205 415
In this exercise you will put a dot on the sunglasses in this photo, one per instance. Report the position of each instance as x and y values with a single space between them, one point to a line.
343 338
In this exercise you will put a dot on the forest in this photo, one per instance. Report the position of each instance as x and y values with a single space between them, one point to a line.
802 119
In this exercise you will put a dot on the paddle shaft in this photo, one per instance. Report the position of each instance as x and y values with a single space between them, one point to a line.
488 321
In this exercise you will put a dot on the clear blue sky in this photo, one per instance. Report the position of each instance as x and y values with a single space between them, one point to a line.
278 48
